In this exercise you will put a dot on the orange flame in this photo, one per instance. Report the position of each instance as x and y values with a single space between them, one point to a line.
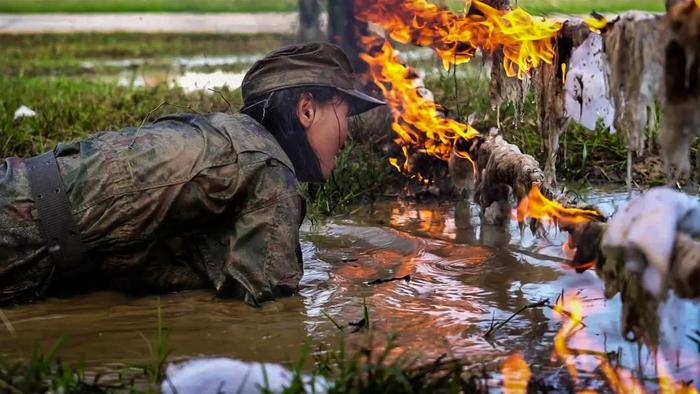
667 385
516 374
621 381
570 307
574 321
535 205
597 22
526 41
417 122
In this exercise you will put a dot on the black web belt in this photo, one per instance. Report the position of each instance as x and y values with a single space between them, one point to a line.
56 221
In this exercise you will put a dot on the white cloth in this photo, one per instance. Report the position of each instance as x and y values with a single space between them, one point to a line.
587 93
225 375
648 225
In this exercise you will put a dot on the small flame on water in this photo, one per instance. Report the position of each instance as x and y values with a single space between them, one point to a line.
395 163
516 374
569 248
667 385
620 380
535 205
572 323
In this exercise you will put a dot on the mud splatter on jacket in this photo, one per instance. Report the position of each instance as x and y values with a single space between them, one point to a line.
188 201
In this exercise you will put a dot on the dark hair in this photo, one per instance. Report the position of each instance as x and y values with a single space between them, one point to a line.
277 112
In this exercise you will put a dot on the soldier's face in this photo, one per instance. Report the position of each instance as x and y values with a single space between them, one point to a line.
326 128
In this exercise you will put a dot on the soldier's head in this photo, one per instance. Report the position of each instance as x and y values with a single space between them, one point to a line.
303 94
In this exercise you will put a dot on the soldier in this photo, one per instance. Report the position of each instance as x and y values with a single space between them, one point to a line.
190 201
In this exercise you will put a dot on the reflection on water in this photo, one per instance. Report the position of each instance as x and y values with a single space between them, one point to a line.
463 277
192 74
193 81
189 81
186 62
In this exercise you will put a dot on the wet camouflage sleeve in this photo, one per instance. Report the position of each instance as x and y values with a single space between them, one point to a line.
264 241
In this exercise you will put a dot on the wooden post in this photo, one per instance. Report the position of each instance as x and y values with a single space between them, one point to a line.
345 30
309 25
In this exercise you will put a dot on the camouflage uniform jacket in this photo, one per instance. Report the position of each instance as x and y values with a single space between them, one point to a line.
188 201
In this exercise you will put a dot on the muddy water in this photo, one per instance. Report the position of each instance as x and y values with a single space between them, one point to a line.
462 277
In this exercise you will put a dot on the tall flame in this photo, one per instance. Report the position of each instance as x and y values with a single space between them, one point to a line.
417 121
527 42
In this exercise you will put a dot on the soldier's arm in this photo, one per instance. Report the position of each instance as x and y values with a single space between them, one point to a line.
264 254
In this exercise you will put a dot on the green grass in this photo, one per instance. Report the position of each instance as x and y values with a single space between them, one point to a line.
362 173
28 6
543 7
70 108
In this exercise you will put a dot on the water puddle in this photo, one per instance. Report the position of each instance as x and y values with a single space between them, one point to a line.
189 81
192 74
185 62
463 277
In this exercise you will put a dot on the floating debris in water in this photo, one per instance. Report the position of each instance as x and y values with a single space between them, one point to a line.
407 278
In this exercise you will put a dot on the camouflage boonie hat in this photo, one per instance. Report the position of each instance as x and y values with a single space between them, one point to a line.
308 64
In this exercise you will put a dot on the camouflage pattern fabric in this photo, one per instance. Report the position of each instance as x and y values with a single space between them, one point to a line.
189 201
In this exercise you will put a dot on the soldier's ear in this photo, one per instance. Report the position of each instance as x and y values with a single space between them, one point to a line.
306 110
